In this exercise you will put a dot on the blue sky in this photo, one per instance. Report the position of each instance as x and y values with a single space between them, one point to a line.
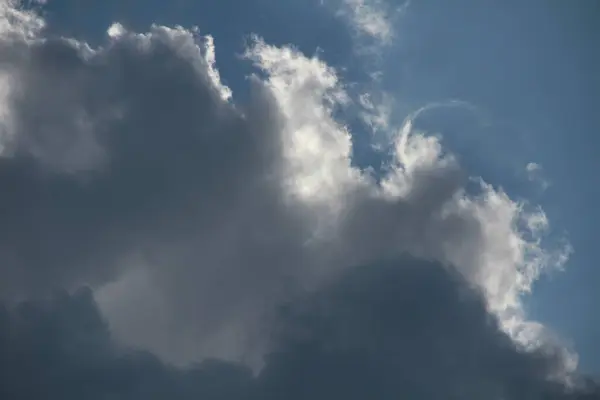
508 88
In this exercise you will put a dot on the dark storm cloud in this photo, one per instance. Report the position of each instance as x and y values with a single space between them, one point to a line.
401 329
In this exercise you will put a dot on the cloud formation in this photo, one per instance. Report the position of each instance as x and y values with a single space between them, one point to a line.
372 333
130 168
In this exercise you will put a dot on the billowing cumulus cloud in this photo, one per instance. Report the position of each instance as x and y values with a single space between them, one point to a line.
208 227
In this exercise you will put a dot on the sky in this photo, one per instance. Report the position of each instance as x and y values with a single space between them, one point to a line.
304 199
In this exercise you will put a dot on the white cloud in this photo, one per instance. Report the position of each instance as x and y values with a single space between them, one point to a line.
377 111
535 173
373 22
16 24
316 147
116 30
371 18
213 72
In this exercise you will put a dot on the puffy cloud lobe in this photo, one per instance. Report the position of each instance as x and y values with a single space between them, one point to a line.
131 168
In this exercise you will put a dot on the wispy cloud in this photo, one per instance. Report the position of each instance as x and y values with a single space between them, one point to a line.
535 173
371 18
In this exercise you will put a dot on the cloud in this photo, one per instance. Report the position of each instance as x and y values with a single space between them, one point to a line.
17 24
535 173
113 165
132 169
61 347
405 328
373 19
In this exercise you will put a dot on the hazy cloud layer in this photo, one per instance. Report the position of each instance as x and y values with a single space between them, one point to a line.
131 168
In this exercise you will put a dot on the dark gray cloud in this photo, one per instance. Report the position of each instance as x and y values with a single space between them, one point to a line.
405 328
61 348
